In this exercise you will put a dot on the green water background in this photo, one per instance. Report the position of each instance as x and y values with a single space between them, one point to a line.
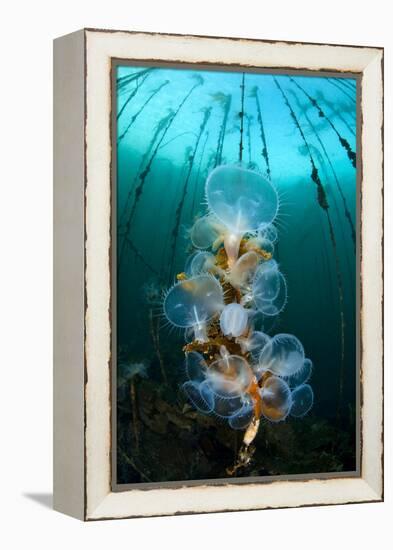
304 250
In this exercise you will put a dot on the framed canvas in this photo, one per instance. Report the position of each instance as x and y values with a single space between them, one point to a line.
218 331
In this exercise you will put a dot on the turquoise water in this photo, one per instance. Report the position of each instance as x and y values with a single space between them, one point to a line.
174 126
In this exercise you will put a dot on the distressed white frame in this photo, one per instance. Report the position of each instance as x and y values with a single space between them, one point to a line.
99 500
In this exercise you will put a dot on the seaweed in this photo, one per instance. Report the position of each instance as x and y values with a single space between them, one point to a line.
341 193
225 101
159 127
322 164
131 373
143 175
241 116
204 447
128 242
342 108
131 96
321 195
265 154
346 83
179 210
155 336
152 413
198 172
339 86
249 121
123 81
174 138
144 105
323 203
180 180
344 143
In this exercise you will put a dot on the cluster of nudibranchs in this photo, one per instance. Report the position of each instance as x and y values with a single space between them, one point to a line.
231 282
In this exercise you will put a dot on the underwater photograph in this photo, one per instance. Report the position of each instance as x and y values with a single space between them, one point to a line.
235 273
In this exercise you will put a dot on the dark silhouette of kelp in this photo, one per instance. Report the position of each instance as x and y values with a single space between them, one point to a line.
198 173
338 109
323 203
128 242
123 81
249 119
131 96
179 209
321 195
345 144
143 175
177 136
141 109
338 85
162 123
334 173
265 154
346 83
159 417
241 116
225 102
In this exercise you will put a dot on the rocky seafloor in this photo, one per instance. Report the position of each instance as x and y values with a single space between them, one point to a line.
160 437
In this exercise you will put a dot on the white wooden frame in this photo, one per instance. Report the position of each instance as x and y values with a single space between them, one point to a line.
82 335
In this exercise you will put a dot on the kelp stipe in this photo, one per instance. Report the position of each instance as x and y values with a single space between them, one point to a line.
127 217
235 373
197 176
344 142
152 294
131 95
225 102
141 109
337 110
343 89
129 373
249 154
323 203
265 153
241 116
124 81
339 187
143 175
179 209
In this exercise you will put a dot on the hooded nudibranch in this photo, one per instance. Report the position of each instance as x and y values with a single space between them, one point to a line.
234 371
206 232
192 302
269 289
242 200
233 320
